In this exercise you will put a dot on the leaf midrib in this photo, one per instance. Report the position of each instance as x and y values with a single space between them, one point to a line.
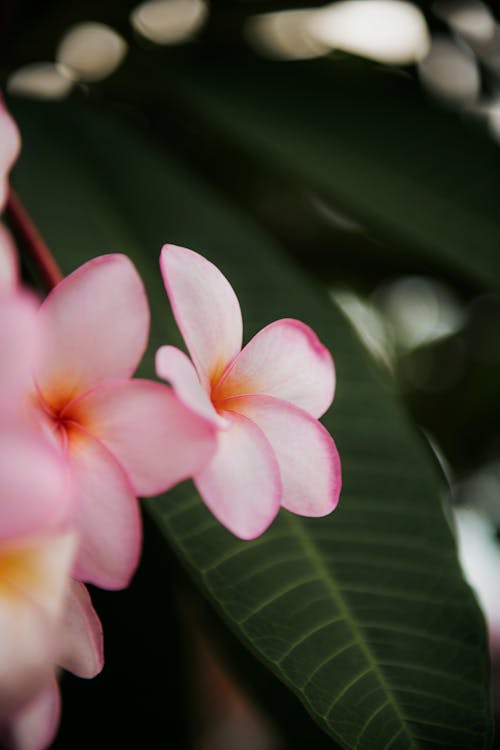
328 579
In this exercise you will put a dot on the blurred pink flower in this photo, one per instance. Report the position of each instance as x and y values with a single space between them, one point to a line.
264 400
10 144
36 546
34 571
45 618
113 430
35 724
22 445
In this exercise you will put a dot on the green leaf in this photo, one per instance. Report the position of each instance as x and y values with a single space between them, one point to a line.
364 614
415 176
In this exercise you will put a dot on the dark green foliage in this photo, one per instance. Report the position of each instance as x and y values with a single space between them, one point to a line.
363 614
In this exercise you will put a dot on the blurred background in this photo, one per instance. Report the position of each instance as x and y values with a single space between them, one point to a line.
364 136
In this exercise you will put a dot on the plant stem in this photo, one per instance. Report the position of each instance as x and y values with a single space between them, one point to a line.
33 241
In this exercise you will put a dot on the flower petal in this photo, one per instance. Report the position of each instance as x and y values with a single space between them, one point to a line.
242 484
206 309
35 726
108 519
10 144
287 360
38 569
33 500
174 366
19 344
155 438
27 651
96 325
8 260
83 648
308 459
34 583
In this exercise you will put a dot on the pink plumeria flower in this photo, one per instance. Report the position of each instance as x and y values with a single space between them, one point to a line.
112 429
10 144
36 544
264 400
36 557
34 726
45 619
27 459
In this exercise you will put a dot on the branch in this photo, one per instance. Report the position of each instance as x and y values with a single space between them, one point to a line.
32 239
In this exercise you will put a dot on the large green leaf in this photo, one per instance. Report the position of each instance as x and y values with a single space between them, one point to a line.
364 614
414 175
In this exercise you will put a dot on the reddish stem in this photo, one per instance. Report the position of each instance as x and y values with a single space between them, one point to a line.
35 244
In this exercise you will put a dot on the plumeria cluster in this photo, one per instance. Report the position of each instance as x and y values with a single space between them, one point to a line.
46 618
80 440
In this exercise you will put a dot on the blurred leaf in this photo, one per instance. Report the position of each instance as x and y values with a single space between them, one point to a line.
364 614
411 173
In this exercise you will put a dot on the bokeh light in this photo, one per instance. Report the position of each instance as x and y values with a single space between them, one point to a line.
419 310
469 18
479 553
41 80
91 51
450 71
169 21
284 35
368 324
389 31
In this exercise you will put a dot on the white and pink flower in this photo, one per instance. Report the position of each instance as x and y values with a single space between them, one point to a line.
37 544
80 651
264 401
112 429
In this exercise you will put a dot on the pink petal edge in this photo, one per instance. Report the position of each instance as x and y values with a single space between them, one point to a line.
83 647
96 325
242 484
308 458
206 309
287 360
